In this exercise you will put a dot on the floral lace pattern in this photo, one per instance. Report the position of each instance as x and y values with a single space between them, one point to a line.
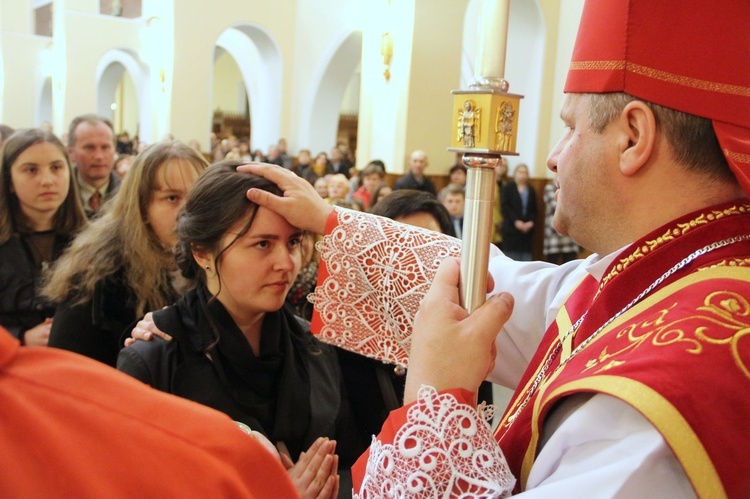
378 273
445 449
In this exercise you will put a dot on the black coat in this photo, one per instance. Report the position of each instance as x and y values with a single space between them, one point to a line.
409 181
94 328
512 208
21 307
292 392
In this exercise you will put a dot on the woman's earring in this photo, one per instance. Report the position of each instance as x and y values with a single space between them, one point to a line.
208 267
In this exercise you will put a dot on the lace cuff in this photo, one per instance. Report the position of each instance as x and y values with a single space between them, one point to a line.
374 273
444 449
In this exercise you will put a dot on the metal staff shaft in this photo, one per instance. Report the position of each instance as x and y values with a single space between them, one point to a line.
477 228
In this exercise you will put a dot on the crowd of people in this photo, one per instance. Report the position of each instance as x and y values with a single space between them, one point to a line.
192 279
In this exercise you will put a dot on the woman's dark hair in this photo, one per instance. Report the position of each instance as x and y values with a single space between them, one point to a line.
377 193
69 217
216 202
407 202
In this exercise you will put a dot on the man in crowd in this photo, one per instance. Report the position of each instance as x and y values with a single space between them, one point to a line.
453 197
416 178
339 163
91 145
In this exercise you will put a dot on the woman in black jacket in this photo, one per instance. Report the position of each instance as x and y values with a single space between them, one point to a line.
39 213
235 346
519 213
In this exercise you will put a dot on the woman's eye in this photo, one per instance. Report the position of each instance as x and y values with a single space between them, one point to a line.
262 244
293 243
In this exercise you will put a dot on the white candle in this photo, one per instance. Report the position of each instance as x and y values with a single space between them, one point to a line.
493 35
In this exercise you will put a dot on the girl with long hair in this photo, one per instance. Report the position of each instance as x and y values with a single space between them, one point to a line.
122 265
39 214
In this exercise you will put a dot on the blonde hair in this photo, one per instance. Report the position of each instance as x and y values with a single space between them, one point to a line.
340 178
120 239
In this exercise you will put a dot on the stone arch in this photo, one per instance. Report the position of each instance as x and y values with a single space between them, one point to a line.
113 64
320 110
259 59
523 67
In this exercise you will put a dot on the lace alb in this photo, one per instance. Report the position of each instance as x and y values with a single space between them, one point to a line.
445 449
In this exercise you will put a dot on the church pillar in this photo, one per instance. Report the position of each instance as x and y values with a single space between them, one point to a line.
410 63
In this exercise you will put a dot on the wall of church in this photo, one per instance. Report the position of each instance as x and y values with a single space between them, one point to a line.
319 44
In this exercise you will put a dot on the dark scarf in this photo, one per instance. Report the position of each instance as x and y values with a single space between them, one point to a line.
275 386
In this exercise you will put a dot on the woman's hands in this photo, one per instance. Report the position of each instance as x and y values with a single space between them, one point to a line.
301 205
449 347
316 473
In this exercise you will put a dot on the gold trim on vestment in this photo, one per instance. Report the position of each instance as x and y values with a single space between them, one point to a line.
640 252
657 74
676 431
737 156
691 454
564 324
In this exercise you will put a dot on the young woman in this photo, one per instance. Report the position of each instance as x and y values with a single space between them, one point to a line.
235 346
39 213
319 168
381 191
372 176
122 265
518 201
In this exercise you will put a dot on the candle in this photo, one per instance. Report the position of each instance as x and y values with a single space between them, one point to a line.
493 35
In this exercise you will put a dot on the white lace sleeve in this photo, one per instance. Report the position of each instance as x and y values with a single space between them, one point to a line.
445 449
378 271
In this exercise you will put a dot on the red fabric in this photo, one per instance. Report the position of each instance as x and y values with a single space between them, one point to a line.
577 303
686 55
364 196
316 324
73 427
688 378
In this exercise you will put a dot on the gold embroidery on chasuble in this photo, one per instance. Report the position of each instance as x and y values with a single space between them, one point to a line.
722 320
712 337
670 235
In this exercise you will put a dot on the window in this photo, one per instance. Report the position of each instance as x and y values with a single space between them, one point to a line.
43 18
130 9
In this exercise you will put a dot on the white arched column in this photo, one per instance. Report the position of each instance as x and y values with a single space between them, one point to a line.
109 72
259 59
321 108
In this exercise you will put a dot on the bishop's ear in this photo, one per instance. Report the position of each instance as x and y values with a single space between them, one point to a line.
637 125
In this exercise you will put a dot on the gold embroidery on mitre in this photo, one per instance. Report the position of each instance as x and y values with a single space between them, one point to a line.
671 234
737 156
657 74
597 65
723 320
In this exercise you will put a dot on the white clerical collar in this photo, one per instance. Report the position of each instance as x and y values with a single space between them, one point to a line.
596 265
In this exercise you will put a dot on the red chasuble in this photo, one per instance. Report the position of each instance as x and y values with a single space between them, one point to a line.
682 348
